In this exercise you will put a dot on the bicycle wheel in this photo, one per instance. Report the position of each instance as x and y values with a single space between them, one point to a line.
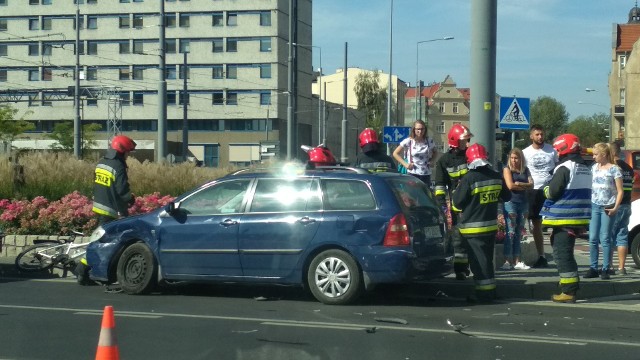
36 257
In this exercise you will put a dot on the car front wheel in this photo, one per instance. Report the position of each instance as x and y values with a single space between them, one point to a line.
334 278
137 270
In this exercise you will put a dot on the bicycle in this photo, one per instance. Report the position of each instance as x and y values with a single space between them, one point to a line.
46 254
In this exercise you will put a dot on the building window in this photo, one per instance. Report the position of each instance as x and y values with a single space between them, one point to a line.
81 48
218 98
92 48
265 18
81 23
622 60
124 21
455 108
33 99
232 71
88 1
182 71
265 45
182 98
211 155
441 107
184 20
125 98
138 98
46 99
46 49
440 128
623 95
217 72
170 20
138 47
124 1
34 24
124 74
92 102
92 22
3 50
217 19
138 21
184 45
138 73
125 48
48 2
232 45
3 75
232 98
217 45
3 2
170 72
34 50
232 19
265 71
171 97
34 75
3 24
34 2
92 74
46 23
265 98
46 74
170 46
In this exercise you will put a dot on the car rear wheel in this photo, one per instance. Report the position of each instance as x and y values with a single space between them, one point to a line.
334 278
635 249
137 270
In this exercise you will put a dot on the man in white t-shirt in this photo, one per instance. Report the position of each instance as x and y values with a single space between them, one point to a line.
541 160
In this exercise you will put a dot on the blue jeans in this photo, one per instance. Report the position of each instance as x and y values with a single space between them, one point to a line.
514 219
620 232
600 234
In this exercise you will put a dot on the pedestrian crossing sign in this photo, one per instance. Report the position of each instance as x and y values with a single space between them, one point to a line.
514 113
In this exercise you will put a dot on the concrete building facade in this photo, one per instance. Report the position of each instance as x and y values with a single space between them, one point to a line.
237 70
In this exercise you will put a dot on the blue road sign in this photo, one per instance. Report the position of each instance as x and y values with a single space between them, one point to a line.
395 134
514 113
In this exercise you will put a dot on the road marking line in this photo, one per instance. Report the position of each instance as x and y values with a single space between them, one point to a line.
119 315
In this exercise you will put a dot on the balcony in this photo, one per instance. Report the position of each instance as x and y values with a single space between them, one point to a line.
618 111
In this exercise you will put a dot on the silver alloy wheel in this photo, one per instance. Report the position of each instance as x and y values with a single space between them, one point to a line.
332 277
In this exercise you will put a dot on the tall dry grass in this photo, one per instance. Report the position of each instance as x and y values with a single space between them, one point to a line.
56 174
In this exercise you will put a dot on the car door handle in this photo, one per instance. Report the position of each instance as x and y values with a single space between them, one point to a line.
306 220
228 222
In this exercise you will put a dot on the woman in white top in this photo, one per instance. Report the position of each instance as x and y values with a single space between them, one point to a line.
417 152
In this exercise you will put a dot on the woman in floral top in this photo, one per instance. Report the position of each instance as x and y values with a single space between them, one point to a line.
606 196
418 150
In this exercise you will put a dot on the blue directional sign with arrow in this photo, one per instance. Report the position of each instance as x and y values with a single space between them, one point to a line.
395 134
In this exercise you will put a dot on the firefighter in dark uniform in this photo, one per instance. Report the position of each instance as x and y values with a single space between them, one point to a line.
111 194
567 210
477 196
450 168
371 157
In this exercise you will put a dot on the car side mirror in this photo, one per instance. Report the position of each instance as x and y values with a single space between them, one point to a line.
170 208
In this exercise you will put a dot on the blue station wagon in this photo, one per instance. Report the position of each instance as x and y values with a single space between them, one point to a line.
336 231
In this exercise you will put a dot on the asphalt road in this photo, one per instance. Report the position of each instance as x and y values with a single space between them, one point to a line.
57 319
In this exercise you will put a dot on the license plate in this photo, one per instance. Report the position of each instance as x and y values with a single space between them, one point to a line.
432 231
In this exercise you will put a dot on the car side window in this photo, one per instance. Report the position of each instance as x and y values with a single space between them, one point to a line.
222 198
276 195
347 195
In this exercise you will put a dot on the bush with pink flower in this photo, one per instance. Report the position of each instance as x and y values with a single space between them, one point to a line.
72 212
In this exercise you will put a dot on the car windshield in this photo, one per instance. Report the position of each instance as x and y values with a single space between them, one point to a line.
412 193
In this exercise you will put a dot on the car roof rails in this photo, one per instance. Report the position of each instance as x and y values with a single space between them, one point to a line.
343 168
242 171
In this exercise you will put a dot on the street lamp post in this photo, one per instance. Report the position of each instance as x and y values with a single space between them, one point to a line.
418 88
319 86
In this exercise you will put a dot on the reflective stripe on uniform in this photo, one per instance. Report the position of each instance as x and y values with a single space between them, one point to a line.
486 284
479 227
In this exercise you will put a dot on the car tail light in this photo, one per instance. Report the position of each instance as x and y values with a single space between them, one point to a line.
397 232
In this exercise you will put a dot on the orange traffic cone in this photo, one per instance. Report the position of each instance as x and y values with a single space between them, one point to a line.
107 345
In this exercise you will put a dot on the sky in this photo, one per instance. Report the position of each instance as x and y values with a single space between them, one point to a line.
555 48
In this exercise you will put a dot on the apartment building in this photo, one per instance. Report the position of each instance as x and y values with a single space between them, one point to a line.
237 71
624 81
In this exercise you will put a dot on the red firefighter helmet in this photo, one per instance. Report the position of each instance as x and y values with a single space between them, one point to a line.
566 144
368 136
475 152
458 132
320 155
123 144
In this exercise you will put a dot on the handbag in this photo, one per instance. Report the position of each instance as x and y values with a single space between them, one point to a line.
401 168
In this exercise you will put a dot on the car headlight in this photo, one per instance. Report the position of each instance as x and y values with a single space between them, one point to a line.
96 234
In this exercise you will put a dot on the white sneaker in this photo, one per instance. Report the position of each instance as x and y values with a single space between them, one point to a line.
521 266
506 266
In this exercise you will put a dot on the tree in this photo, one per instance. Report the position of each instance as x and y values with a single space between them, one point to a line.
371 98
10 127
550 114
591 129
63 135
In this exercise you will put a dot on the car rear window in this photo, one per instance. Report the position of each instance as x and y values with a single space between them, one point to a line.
347 195
411 192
